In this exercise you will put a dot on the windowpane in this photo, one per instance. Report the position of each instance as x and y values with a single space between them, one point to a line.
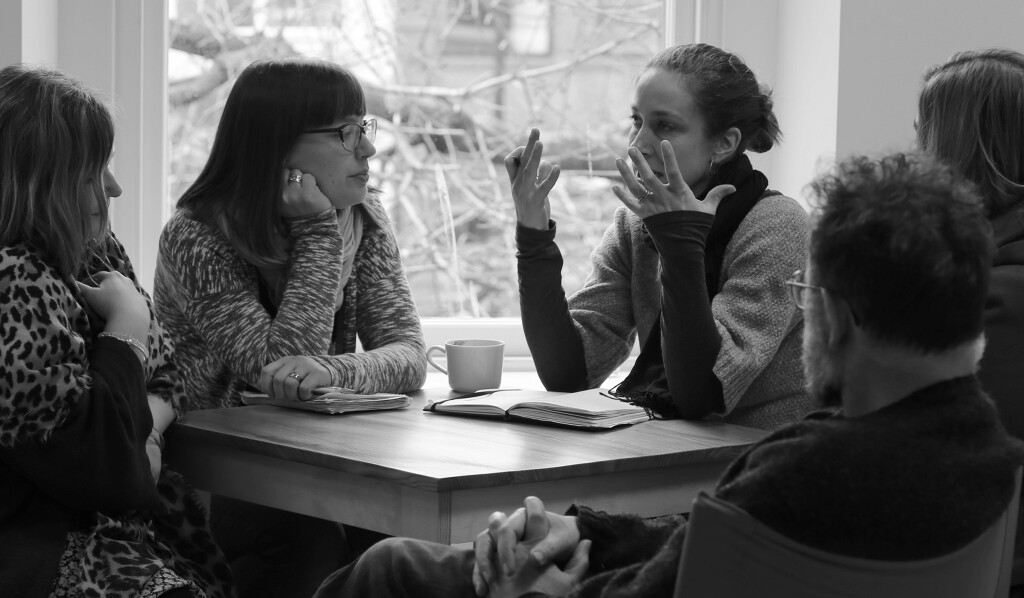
455 86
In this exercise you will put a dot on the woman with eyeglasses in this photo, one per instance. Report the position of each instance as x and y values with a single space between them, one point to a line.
693 265
971 115
278 257
87 374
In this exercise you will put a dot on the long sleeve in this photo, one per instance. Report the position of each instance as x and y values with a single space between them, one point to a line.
379 308
554 342
752 310
619 299
96 459
207 297
689 337
629 556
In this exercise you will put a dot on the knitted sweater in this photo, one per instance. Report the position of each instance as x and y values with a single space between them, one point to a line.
759 364
207 296
914 480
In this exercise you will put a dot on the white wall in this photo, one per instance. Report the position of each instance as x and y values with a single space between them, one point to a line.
117 47
885 47
806 91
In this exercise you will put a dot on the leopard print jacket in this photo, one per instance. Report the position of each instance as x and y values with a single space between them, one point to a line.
46 338
46 335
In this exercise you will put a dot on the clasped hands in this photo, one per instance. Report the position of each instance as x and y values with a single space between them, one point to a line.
530 550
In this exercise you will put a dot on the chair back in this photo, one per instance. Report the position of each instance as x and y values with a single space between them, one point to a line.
729 554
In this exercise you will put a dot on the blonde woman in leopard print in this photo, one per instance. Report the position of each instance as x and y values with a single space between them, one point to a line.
87 380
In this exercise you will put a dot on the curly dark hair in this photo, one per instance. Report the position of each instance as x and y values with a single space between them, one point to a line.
905 241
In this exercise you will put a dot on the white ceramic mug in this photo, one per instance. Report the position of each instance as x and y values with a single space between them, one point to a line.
473 364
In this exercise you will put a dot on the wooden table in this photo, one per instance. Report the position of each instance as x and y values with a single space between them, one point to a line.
437 477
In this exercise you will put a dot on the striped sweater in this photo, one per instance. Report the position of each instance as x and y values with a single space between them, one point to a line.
207 296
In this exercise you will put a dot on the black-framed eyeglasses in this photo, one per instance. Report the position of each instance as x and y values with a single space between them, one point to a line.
798 288
352 133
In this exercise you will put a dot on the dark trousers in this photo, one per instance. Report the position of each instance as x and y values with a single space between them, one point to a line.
402 567
275 553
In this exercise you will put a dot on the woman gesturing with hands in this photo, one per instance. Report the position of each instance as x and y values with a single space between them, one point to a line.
694 263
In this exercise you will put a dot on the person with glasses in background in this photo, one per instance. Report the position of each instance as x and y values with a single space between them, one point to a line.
278 257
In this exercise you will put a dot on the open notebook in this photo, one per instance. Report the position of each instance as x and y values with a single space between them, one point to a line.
593 409
333 400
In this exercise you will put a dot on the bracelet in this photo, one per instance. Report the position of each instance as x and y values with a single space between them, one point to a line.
132 342
159 440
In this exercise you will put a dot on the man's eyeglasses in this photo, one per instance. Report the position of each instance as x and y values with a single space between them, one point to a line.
798 288
352 133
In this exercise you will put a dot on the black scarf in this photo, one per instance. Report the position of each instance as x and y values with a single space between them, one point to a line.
647 385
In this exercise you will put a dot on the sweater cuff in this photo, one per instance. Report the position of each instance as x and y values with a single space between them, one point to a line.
531 242
313 222
671 221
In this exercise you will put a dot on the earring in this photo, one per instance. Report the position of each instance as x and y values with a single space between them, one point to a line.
711 165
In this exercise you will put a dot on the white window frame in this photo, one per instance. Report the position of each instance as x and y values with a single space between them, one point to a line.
119 47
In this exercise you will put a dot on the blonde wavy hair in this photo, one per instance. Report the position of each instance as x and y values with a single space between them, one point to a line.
56 137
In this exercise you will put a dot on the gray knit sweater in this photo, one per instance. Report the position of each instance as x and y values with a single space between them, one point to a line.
759 362
207 296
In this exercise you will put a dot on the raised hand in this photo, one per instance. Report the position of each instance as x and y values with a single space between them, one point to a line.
650 196
302 198
532 179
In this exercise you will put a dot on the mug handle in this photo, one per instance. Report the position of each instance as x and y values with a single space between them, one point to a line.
431 361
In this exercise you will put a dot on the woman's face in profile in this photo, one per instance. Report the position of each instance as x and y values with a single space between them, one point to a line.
341 174
664 109
110 189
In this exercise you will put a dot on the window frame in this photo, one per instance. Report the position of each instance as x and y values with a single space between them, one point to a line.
120 49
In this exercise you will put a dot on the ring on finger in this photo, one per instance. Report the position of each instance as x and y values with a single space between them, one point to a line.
647 194
296 376
295 178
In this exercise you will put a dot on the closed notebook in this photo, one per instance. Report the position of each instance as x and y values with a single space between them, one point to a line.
333 400
586 409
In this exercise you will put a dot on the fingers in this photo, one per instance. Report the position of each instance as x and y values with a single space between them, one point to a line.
506 532
276 381
532 154
537 524
267 374
304 392
483 569
513 161
715 196
644 170
672 172
548 174
629 179
627 200
577 566
308 181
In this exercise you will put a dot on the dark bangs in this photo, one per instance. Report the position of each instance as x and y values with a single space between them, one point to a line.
271 103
